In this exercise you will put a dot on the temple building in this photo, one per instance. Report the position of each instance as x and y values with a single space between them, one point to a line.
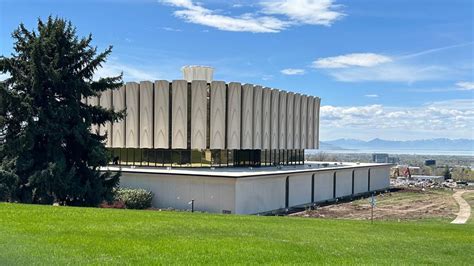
229 147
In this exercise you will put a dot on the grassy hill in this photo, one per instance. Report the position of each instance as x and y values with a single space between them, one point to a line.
31 234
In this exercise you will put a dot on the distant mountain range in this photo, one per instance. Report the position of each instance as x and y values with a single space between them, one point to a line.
380 144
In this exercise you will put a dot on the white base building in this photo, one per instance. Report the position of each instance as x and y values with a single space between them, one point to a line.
257 190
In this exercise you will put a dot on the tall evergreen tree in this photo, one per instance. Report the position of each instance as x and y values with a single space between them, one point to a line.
48 152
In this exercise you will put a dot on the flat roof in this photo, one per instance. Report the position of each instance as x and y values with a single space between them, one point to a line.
239 172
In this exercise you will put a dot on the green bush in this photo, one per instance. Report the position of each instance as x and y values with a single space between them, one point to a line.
134 198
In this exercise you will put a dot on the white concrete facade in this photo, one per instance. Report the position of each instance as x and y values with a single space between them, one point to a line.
146 114
106 103
161 118
255 191
118 128
218 119
132 120
234 112
181 115
198 114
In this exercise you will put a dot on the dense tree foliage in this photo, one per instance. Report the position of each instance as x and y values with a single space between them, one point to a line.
48 152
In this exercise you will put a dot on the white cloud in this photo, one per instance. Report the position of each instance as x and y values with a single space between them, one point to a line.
351 60
372 95
197 14
393 73
296 12
465 85
322 12
451 119
130 73
292 71
171 29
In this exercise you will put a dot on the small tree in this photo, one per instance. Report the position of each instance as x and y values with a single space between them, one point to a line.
49 153
447 173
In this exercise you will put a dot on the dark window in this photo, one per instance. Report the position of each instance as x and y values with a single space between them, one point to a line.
334 185
287 192
353 174
312 188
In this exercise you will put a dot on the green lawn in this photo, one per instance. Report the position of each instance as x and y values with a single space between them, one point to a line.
31 234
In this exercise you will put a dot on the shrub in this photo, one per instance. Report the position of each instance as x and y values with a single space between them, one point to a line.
134 198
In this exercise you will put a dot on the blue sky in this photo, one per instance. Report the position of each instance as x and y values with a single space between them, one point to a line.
393 69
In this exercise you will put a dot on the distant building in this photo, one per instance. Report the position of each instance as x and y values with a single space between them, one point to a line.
436 179
380 157
430 162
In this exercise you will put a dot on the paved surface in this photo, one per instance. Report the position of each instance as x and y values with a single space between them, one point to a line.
464 208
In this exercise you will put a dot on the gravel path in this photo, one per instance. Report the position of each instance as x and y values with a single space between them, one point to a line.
464 208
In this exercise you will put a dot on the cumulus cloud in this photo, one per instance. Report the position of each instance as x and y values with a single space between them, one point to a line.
372 95
269 19
395 72
292 71
322 12
351 60
465 85
453 118
130 73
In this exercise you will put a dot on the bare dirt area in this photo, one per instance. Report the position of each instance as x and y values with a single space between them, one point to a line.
405 204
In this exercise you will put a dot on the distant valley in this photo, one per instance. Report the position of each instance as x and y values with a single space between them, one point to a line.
380 144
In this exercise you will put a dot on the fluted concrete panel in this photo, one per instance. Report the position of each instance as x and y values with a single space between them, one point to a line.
257 117
146 114
132 120
317 103
234 112
310 129
106 129
198 114
304 121
218 119
161 123
290 100
275 115
266 118
118 128
94 101
179 115
282 121
247 116
297 125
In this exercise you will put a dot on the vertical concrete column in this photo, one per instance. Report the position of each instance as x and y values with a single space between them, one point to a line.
282 121
106 103
304 121
162 114
317 103
290 100
234 115
146 114
118 128
257 117
132 120
179 119
198 114
247 116
266 118
93 101
310 130
218 119
275 115
297 124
